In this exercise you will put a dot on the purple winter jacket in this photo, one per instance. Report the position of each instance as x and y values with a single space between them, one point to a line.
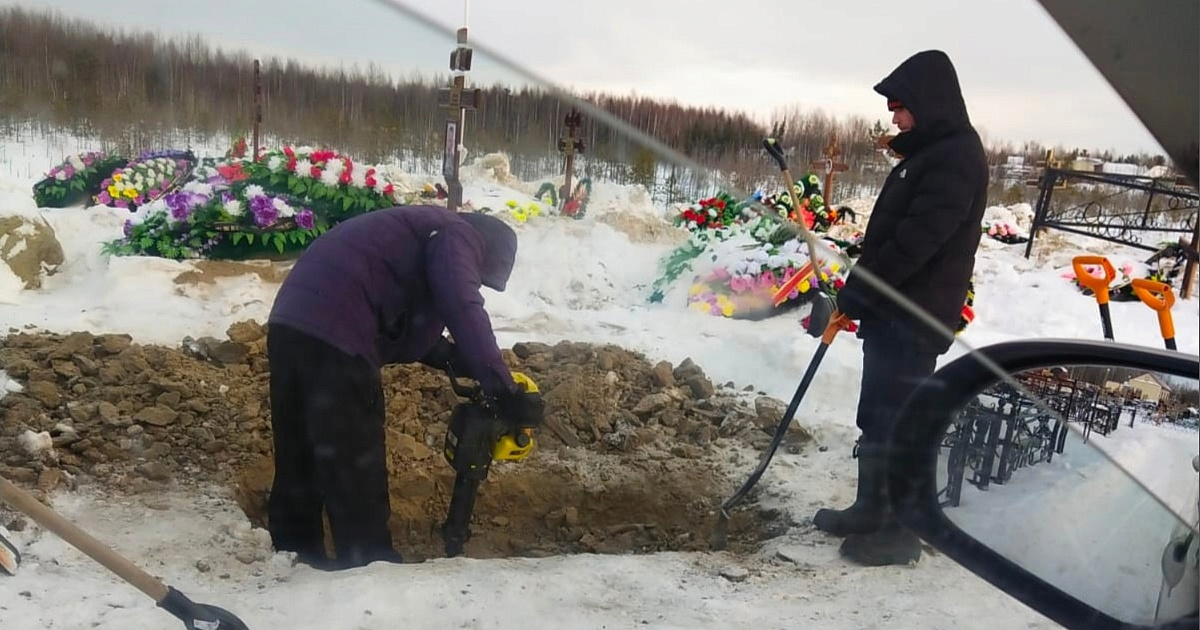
384 285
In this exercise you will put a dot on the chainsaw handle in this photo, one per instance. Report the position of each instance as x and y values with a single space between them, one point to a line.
1098 285
776 152
1158 296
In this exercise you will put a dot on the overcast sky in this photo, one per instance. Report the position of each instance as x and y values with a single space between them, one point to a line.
1021 76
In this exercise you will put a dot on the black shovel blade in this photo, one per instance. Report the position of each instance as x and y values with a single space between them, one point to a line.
199 616
10 558
818 318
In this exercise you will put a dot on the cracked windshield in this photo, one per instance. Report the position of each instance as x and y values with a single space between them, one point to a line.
537 314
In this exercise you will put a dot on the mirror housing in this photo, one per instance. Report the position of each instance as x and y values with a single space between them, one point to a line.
914 454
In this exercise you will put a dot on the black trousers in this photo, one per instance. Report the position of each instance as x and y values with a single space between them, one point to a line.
892 370
327 417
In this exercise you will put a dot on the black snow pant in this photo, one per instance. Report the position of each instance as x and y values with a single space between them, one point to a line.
327 417
892 370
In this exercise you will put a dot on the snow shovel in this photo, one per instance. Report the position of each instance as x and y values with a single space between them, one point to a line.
194 616
1158 296
10 558
837 323
1098 285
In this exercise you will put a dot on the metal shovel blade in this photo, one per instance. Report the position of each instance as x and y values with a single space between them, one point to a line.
10 558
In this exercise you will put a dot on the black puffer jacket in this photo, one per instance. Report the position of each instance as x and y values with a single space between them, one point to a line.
925 228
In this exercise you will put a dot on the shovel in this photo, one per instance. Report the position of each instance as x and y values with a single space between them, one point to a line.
10 558
837 323
1098 285
194 616
824 303
1158 296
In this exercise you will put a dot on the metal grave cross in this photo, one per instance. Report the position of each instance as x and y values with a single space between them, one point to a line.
456 100
569 146
830 165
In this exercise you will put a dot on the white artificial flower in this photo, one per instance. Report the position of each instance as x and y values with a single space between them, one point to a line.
253 190
358 176
275 163
233 207
198 187
76 162
329 177
60 176
304 168
302 151
380 184
147 210
284 209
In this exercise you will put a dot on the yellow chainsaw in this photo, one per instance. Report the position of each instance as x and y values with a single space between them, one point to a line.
477 435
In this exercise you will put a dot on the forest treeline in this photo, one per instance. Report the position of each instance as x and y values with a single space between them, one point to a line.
83 77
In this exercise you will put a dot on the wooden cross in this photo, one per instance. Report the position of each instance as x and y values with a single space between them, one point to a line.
830 165
257 107
1049 161
456 100
569 146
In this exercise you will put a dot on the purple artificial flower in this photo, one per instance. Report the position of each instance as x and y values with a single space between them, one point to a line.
127 228
305 219
180 205
264 210
104 198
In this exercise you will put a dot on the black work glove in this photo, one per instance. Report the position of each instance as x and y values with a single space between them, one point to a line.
444 356
525 409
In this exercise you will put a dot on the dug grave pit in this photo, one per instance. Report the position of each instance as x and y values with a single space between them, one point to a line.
633 457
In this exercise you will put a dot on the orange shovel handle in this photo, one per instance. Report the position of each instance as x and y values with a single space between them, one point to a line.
1158 296
837 323
1098 285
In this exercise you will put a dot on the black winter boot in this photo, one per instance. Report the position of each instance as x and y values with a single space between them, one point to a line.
867 512
891 544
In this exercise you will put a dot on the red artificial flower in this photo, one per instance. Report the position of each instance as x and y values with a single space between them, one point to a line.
344 178
371 181
388 190
720 204
809 218
289 152
291 164
321 156
232 172
315 171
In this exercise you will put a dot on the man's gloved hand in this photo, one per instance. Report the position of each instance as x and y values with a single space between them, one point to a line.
444 356
521 408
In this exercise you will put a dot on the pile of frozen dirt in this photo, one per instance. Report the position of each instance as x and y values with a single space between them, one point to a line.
634 456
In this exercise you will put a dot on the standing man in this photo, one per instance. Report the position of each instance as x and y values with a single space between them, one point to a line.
920 241
376 289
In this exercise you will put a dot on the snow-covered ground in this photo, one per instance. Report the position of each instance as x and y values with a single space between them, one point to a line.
581 280
1085 525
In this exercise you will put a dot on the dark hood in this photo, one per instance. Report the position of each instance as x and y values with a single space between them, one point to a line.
499 249
927 85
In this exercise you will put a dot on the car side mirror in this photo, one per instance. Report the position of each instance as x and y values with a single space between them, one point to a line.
1068 483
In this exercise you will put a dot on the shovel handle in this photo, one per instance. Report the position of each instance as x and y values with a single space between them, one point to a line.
82 541
837 323
776 152
1158 296
1098 285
